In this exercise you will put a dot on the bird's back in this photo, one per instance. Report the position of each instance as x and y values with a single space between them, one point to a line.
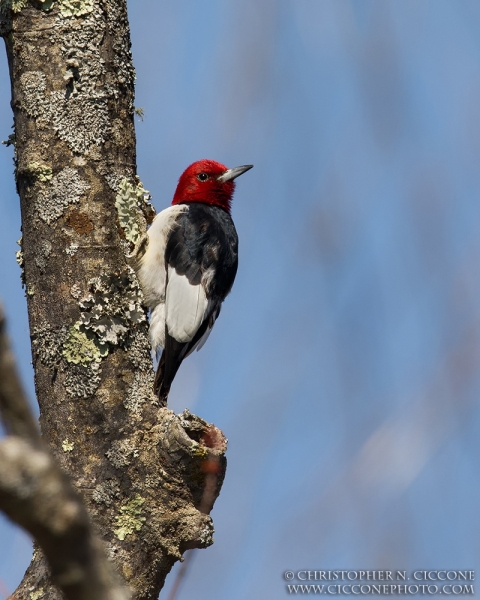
203 246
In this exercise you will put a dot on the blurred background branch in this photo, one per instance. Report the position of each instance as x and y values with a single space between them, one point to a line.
38 496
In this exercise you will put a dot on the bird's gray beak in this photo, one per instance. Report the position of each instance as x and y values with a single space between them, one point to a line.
233 173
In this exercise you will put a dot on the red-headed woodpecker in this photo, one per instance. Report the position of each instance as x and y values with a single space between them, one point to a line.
189 265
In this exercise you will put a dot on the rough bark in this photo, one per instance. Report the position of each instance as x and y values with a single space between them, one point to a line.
148 477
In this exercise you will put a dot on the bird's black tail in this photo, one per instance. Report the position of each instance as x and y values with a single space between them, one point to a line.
159 387
170 361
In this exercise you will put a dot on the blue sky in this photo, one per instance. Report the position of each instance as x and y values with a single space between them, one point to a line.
344 368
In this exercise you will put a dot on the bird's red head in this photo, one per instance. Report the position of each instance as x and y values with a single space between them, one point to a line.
209 182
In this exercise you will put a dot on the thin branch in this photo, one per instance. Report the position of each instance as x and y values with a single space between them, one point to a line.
4 590
181 574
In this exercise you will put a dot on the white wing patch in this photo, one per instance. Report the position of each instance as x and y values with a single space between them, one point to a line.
210 314
186 307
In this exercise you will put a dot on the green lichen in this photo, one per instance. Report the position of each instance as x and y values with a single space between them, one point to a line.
67 446
130 520
109 317
128 202
40 171
40 593
15 5
82 347
75 8
198 451
30 290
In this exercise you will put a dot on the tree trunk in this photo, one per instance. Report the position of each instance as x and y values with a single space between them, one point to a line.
148 477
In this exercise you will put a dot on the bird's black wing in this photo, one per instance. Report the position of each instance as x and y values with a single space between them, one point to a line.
201 260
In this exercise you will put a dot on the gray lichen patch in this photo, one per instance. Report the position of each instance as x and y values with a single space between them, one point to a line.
47 343
139 393
44 250
122 56
82 381
72 249
130 518
114 178
80 120
121 453
113 307
79 113
153 481
66 188
106 492
76 291
206 534
138 348
33 86
80 116
19 258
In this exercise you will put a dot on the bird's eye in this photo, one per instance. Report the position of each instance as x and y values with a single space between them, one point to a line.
202 176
